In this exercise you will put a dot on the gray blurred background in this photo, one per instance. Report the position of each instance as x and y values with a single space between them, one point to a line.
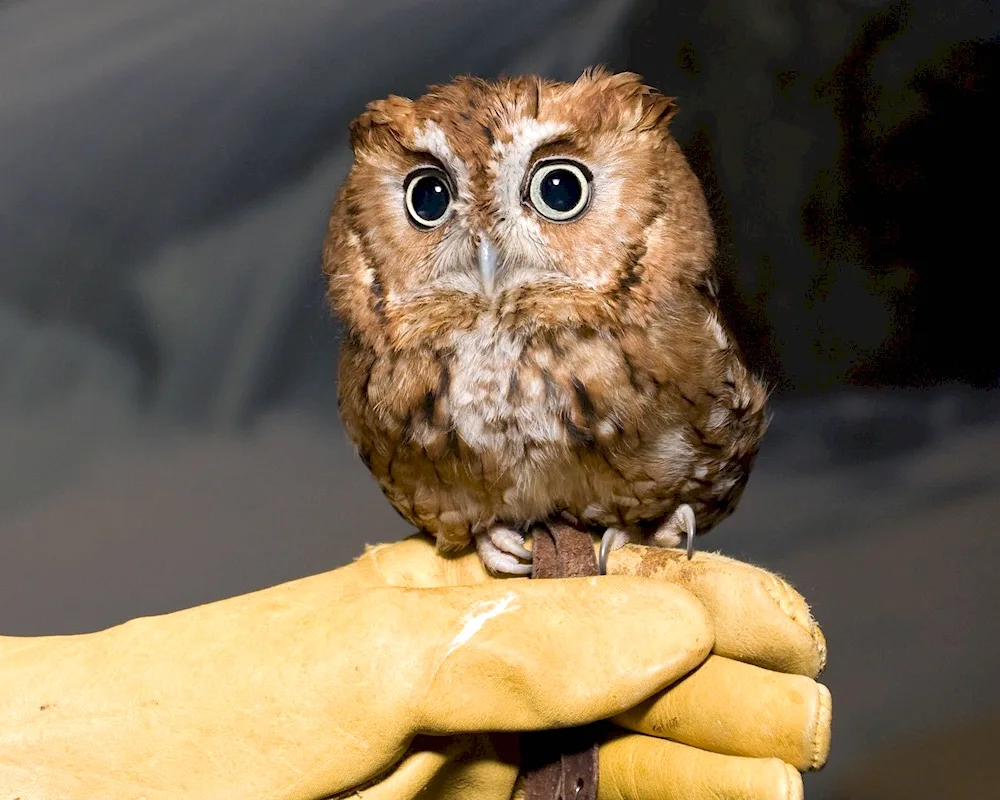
168 430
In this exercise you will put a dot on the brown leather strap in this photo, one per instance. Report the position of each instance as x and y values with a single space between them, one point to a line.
561 764
562 551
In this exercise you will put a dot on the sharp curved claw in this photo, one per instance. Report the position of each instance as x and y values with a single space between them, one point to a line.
680 528
686 513
602 560
612 540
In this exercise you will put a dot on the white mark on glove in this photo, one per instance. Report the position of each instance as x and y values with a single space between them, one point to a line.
476 617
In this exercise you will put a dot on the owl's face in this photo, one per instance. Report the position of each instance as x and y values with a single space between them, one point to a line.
541 203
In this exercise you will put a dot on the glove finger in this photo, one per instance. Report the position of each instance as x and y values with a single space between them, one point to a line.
613 641
766 714
636 767
449 768
758 617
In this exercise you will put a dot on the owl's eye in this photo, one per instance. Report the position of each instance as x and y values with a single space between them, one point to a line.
560 190
427 197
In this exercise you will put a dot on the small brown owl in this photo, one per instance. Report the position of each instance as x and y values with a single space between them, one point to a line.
524 271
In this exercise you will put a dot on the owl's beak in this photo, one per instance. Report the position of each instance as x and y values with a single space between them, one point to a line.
487 257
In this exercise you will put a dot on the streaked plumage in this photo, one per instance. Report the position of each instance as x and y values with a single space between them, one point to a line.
574 367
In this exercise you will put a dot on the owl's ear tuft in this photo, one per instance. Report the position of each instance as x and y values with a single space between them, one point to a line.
638 106
389 117
657 110
597 73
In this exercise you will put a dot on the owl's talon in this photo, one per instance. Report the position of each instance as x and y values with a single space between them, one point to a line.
669 533
612 540
497 559
686 514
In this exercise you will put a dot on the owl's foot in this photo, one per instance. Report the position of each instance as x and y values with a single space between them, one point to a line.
669 534
502 551
682 521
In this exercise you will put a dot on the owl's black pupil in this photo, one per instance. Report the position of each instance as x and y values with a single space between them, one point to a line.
561 190
430 198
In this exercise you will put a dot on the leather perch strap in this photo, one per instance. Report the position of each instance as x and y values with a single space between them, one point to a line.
561 764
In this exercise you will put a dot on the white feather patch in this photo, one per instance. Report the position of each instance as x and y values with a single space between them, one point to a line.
432 139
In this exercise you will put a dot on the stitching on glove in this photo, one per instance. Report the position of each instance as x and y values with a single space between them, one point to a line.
824 714
796 609
793 783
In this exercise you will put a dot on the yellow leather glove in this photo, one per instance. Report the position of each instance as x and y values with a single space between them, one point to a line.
380 679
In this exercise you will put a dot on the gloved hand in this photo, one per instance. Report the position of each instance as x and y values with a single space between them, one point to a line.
380 679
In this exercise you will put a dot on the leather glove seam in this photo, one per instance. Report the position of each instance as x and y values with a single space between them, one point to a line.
794 607
793 783
821 723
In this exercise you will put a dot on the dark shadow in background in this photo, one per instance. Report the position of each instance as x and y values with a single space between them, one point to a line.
915 206
900 186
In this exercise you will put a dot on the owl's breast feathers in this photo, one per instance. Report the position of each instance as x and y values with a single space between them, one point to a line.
491 423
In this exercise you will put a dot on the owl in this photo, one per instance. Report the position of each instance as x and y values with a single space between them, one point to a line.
524 272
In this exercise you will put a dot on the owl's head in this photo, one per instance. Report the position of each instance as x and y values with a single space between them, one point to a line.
537 202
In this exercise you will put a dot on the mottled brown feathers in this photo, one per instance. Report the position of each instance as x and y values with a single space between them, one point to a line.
595 379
